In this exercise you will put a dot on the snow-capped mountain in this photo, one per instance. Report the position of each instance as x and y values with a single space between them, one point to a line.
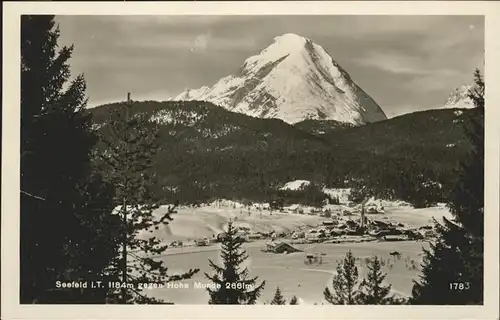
293 79
459 98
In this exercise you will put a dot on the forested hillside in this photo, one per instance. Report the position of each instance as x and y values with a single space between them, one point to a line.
207 151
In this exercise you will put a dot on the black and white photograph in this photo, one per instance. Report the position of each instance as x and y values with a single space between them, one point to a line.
306 160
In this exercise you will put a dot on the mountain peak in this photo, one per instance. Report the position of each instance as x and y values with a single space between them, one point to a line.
293 79
459 98
291 39
288 44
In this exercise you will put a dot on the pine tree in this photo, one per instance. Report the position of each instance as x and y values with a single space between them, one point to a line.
372 290
452 270
467 199
442 265
63 213
345 283
233 286
130 148
278 297
97 245
294 301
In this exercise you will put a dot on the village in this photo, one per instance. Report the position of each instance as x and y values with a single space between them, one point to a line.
346 223
300 241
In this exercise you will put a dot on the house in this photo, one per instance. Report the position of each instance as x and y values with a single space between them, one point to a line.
385 232
220 237
425 228
413 235
380 224
351 224
393 237
201 242
293 208
298 234
313 258
395 254
312 235
373 206
430 234
265 234
276 204
329 223
243 236
254 236
353 232
336 232
280 247
316 235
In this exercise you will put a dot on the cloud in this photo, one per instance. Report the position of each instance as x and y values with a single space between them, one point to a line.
157 95
439 83
201 42
393 63
403 62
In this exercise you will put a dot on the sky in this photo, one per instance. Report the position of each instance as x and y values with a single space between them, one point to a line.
405 63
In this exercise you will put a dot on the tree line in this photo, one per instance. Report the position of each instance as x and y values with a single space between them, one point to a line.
106 199
240 158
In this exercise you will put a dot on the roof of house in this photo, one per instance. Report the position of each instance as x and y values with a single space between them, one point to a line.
277 245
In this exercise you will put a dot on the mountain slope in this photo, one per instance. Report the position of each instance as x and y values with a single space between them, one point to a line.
208 152
293 79
320 127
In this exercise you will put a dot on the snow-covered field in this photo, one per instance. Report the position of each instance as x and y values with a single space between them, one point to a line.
288 271
208 221
195 223
415 217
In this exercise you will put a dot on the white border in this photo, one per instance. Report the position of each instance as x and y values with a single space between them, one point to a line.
10 160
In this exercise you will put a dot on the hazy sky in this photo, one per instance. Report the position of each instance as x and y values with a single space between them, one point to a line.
405 63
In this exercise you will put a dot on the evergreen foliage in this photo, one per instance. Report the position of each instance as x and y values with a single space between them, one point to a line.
294 301
372 289
349 290
320 127
278 297
310 195
233 285
64 205
466 201
129 166
345 283
452 270
244 158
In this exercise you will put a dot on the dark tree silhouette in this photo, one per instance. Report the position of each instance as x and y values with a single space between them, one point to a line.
278 297
372 289
128 157
452 271
66 226
294 301
345 283
233 285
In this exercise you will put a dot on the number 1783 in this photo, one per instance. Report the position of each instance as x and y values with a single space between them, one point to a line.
459 286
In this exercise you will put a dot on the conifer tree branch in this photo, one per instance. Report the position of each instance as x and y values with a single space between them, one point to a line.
32 195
